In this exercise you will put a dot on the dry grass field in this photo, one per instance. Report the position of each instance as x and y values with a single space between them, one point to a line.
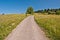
8 23
50 24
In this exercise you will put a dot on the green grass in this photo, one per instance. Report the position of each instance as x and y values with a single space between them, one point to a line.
8 23
50 24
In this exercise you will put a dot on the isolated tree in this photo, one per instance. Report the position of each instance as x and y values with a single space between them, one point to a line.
29 10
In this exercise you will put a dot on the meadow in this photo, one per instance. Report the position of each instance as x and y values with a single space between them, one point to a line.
50 25
8 23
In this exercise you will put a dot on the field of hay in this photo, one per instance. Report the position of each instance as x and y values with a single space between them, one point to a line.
8 23
50 24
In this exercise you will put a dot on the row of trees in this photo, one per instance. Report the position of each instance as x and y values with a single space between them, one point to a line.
49 11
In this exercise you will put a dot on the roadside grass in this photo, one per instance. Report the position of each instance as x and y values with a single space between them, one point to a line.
8 23
50 24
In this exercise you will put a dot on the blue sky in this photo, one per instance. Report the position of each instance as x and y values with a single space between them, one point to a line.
20 6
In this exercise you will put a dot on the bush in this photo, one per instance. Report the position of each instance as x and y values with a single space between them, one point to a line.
51 12
58 12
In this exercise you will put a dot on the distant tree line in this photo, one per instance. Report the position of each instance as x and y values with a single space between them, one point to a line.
49 11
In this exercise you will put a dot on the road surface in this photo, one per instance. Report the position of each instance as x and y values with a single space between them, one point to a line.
27 30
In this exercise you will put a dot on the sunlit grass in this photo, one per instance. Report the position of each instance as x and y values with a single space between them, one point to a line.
50 24
8 23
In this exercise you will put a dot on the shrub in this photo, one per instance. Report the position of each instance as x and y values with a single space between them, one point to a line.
58 12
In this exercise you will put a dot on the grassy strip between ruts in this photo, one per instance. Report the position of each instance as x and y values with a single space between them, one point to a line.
50 24
8 23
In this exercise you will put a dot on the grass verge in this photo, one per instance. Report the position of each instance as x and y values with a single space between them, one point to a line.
8 23
50 24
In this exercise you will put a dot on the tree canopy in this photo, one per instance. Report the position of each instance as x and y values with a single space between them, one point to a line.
29 10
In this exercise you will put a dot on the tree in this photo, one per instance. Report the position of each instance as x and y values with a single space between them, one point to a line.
29 10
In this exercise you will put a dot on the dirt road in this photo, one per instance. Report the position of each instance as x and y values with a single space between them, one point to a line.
27 30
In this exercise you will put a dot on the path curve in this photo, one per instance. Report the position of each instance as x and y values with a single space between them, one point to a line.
27 30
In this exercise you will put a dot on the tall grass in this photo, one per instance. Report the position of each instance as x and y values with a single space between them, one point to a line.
50 24
8 23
